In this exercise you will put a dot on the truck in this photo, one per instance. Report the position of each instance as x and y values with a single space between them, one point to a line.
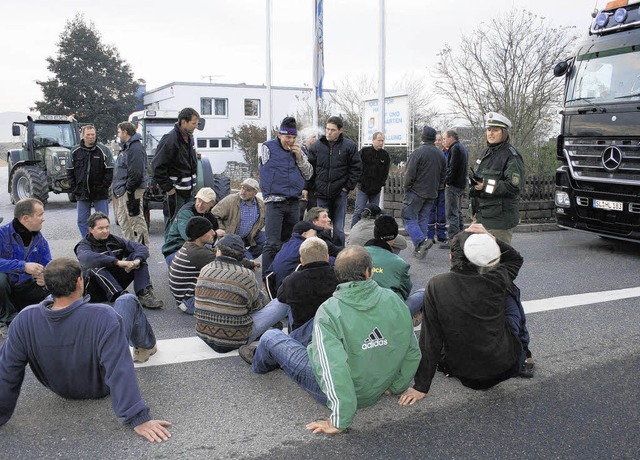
152 125
597 186
39 166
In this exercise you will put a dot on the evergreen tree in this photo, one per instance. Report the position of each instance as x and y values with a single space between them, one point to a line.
90 81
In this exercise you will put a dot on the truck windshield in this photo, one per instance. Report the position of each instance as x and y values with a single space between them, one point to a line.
48 134
603 77
153 131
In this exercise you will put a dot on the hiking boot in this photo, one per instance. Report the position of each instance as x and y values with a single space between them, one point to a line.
148 299
421 250
142 355
527 369
246 352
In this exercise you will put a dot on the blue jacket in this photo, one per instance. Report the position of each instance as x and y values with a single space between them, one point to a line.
95 254
13 254
279 172
78 352
130 171
288 258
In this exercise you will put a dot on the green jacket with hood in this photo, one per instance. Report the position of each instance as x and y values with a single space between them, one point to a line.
363 344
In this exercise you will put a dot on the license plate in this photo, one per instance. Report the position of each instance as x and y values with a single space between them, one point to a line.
607 205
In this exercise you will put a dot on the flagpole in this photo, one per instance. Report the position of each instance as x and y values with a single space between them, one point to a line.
314 70
269 103
381 71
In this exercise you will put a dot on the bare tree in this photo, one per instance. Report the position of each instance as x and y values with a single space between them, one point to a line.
506 65
246 137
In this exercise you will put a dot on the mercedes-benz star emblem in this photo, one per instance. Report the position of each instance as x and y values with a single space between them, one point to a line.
612 158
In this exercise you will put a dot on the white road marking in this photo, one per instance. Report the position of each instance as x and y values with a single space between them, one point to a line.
173 351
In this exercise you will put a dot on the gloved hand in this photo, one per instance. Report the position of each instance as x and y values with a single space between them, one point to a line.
133 205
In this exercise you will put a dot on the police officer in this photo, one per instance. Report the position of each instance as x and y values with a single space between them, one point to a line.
498 181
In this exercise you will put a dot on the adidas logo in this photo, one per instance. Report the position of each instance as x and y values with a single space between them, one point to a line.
375 339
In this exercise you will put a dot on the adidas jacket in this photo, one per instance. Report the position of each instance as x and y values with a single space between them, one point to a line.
363 344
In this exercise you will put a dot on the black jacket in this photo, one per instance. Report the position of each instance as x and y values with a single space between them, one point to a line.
90 171
305 290
457 165
425 171
375 169
94 253
130 172
464 311
334 167
175 158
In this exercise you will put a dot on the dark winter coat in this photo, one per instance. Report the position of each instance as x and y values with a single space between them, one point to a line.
425 171
94 253
131 167
375 169
175 164
335 168
90 172
457 165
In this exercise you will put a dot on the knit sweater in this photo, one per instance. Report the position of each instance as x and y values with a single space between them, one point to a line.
226 295
185 268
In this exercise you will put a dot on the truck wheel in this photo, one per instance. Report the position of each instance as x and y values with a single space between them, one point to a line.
29 182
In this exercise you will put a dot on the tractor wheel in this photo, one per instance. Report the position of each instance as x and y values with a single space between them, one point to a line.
29 182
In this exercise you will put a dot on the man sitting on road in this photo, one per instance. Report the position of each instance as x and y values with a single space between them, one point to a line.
320 218
362 231
390 270
111 263
201 206
189 260
474 326
303 292
363 346
229 307
243 214
24 252
79 350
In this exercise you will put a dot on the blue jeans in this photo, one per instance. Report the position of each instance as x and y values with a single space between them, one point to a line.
516 318
266 317
453 204
84 211
254 251
136 325
362 201
190 303
280 217
414 302
437 224
337 208
415 216
277 349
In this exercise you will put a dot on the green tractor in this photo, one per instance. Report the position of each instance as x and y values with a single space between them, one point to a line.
39 167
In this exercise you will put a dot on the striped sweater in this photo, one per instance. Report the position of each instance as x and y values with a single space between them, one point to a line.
185 268
226 294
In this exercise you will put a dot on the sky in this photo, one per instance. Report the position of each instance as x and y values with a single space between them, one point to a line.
224 41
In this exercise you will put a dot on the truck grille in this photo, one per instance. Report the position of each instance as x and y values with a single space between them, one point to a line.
585 159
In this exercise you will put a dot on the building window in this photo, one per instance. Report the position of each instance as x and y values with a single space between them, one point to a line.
213 106
252 108
221 143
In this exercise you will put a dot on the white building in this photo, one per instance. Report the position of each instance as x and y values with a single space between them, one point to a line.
226 106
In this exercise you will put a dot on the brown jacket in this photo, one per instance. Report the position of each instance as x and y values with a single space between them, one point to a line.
227 212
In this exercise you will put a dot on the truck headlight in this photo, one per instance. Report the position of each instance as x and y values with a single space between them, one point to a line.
562 199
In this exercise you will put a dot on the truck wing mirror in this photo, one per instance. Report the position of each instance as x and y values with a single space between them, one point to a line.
201 122
15 130
562 67
134 121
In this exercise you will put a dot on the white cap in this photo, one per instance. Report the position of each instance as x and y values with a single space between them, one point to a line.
497 120
206 194
482 250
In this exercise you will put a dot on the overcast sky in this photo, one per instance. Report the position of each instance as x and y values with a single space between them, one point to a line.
224 40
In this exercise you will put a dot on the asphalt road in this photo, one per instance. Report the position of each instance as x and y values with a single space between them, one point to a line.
582 403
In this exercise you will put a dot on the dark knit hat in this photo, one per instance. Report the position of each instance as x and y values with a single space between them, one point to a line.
196 227
288 126
385 228
232 246
305 226
428 134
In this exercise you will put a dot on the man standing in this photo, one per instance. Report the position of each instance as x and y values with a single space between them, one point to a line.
283 171
202 205
111 263
424 173
24 252
437 224
363 345
375 170
78 350
495 198
129 182
337 166
456 182
474 325
90 172
175 165
243 214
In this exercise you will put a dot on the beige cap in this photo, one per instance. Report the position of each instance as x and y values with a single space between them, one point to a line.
206 194
251 183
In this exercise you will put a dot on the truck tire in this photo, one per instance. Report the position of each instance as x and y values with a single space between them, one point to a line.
219 183
29 182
